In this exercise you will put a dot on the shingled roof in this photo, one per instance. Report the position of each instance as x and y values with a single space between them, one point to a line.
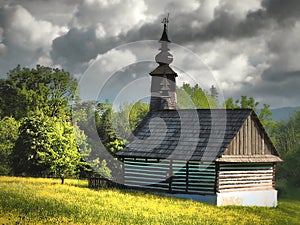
202 134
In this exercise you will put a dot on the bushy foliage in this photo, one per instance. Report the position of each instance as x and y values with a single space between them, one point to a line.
128 117
42 89
46 143
264 114
195 98
8 136
46 146
286 136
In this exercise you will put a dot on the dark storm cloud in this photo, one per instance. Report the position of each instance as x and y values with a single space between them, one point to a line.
77 47
272 93
277 93
149 31
122 79
282 10
278 76
24 39
70 33
226 25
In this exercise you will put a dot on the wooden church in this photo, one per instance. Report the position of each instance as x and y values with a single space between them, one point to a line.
220 156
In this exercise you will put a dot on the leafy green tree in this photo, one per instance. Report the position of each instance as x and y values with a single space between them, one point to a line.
137 113
101 168
195 98
31 141
290 169
286 136
111 142
8 136
41 89
243 103
128 118
116 145
46 146
63 156
264 114
113 129
104 124
87 115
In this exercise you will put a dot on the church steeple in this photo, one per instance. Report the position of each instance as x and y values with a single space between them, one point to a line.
164 36
163 84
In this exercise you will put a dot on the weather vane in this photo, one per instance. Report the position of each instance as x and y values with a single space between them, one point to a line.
165 20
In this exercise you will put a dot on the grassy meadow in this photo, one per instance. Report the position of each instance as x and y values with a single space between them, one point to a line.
46 201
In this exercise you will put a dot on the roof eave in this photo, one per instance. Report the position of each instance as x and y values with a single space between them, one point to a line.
249 159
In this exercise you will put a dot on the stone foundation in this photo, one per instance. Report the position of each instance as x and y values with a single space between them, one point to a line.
267 198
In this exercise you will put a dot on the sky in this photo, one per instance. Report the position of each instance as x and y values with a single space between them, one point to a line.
242 47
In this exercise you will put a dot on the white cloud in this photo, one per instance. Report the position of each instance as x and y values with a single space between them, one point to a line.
158 7
100 32
110 17
207 9
239 8
113 60
101 69
245 52
32 33
27 40
58 12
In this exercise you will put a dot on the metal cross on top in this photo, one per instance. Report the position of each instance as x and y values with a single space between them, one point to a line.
165 20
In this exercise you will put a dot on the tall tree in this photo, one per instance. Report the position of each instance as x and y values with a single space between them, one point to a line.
104 124
8 136
39 89
63 156
194 97
31 141
128 117
286 136
87 115
46 146
264 114
287 133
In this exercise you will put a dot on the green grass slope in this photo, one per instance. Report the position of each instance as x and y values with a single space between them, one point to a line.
46 201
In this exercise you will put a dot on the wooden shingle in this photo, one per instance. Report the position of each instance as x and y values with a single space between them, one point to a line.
201 134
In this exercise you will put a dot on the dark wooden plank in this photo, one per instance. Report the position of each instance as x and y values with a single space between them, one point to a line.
263 144
252 138
245 138
273 179
241 150
249 150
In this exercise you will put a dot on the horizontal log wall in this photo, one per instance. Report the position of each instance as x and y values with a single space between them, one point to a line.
178 181
146 174
202 176
170 176
239 177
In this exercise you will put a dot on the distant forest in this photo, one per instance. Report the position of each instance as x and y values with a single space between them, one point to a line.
47 131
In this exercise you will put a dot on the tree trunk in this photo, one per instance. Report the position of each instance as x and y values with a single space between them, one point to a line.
62 180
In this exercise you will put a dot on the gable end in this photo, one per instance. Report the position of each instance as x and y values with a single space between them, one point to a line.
251 141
